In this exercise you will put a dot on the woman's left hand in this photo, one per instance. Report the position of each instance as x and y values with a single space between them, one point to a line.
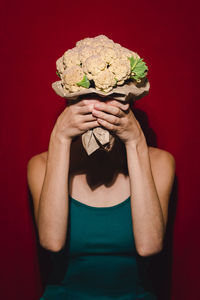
118 118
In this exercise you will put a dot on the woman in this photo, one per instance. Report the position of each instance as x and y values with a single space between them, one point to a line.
115 215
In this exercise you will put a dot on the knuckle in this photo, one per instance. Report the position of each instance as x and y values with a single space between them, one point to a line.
100 114
81 127
126 106
85 102
90 107
93 118
75 111
112 127
115 120
118 110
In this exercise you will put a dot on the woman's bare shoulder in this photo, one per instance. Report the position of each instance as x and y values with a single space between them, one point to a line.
36 167
39 158
157 152
160 156
43 156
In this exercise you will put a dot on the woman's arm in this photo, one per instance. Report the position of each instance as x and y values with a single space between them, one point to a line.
151 182
48 181
150 179
49 187
53 207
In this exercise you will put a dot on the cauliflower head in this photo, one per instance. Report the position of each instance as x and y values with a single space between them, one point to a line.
71 77
101 63
93 65
84 52
121 69
71 58
104 81
110 54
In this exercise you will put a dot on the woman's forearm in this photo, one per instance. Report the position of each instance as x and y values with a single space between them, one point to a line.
53 205
147 216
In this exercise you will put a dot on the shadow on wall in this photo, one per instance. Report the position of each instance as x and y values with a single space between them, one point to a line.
161 263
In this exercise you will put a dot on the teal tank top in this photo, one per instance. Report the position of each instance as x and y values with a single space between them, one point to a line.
99 260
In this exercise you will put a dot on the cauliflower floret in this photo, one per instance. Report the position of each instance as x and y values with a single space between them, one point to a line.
70 77
92 42
84 42
109 44
101 44
110 54
98 49
121 70
104 81
117 45
125 53
85 52
103 39
93 65
71 58
59 65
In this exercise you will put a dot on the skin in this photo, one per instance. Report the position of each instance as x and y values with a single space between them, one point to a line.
145 173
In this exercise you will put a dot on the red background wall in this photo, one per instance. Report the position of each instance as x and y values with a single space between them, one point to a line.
33 35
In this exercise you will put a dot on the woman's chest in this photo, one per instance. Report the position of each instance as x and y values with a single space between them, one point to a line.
103 194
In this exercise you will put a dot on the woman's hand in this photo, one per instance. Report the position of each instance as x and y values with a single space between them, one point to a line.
75 119
118 118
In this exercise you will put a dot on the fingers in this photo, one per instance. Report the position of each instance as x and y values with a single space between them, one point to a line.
111 109
107 125
122 105
77 102
84 102
86 109
87 118
107 117
90 125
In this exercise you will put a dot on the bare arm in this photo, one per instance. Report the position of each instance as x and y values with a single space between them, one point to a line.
48 181
150 179
53 207
150 190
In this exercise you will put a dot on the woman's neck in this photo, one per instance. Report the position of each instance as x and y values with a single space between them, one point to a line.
100 166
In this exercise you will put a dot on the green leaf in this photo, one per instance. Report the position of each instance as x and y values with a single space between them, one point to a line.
138 67
84 82
132 61
58 74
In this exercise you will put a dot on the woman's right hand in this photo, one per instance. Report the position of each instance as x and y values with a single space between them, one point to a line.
75 119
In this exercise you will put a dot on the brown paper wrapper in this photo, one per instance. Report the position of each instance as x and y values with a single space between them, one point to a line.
99 137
